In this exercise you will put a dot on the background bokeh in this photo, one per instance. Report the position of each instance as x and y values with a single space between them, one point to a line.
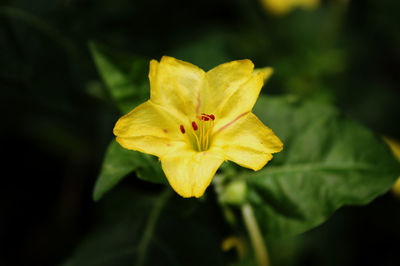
57 117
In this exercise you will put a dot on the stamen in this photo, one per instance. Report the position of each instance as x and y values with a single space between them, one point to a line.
204 117
194 125
207 117
209 129
182 128
202 130
197 141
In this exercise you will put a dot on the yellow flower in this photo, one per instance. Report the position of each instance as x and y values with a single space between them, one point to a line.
281 7
195 120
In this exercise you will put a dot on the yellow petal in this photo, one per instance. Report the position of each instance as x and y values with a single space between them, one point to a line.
222 82
277 7
396 188
189 172
395 147
241 101
268 71
149 128
151 145
176 84
247 142
281 7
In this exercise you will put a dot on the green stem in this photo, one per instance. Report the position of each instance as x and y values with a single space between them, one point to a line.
150 226
256 238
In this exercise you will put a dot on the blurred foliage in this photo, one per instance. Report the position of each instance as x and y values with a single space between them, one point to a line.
124 75
61 116
153 230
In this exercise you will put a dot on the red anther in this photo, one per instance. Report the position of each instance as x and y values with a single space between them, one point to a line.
194 125
182 129
206 117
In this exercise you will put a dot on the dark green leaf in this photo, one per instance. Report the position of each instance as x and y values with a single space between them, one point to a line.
119 162
328 161
125 76
135 228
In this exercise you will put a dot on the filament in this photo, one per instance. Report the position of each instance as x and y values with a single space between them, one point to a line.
201 131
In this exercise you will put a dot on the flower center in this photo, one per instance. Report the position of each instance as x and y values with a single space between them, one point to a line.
201 131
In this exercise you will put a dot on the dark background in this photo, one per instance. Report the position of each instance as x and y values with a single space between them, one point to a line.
57 117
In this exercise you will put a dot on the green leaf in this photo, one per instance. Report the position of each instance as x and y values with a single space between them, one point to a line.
131 227
327 162
126 78
119 162
124 74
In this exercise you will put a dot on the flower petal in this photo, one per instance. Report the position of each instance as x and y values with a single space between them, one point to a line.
222 82
189 172
176 84
247 142
149 128
268 71
241 101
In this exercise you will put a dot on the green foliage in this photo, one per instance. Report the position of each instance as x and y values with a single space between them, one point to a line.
328 161
126 78
124 74
119 162
138 228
